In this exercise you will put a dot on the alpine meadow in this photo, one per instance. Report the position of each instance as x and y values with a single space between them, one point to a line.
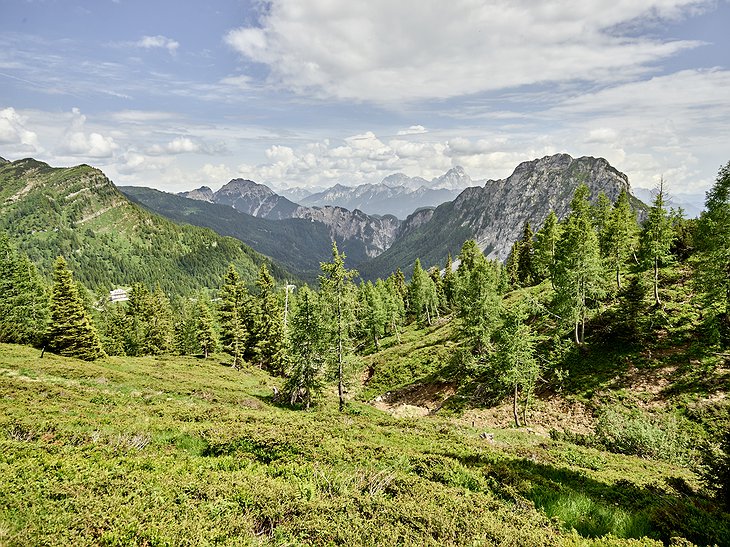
394 274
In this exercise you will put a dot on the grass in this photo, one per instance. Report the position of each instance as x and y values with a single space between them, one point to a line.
184 451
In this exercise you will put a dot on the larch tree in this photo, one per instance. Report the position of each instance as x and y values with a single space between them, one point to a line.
336 289
515 357
620 236
546 242
70 331
656 238
525 258
578 269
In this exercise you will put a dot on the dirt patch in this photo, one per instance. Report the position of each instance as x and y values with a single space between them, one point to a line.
547 413
415 400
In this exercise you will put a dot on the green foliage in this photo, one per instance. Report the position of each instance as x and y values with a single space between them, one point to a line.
70 331
634 433
108 240
204 332
546 242
619 238
23 297
307 341
578 273
656 238
712 264
232 312
270 348
716 472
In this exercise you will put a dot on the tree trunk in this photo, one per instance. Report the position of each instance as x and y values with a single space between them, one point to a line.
524 408
583 327
340 390
618 277
514 408
577 340
656 283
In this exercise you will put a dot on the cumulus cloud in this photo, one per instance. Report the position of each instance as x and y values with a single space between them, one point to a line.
150 42
13 132
77 142
386 51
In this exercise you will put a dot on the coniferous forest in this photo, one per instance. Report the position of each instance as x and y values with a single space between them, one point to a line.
575 394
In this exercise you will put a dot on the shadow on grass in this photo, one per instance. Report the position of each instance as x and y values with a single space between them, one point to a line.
595 508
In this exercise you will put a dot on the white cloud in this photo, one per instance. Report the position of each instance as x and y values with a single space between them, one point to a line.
413 130
13 132
148 42
76 142
387 51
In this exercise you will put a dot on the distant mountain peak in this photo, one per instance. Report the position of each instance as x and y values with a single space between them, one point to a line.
204 193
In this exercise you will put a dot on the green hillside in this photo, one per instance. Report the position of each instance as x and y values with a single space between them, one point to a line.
181 451
297 244
107 240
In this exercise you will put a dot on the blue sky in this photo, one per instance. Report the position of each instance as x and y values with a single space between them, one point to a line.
176 94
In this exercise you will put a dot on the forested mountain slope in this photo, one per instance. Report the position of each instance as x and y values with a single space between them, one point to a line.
109 241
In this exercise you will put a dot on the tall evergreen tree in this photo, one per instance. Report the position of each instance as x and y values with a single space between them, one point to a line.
336 289
270 346
307 335
422 295
373 312
394 305
712 263
70 331
525 258
449 282
234 335
656 238
478 301
23 298
515 358
620 236
601 212
578 271
204 332
546 242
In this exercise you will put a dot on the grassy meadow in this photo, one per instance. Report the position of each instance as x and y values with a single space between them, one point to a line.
186 451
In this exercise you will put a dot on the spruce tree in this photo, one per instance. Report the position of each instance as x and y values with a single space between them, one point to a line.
449 282
525 259
204 331
234 335
23 298
70 331
270 346
307 335
395 307
336 290
712 262
578 270
656 238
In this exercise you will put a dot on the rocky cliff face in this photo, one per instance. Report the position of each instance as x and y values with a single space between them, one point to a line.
376 233
497 211
494 214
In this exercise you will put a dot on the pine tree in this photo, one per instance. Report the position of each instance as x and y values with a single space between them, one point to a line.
620 236
70 331
308 346
270 348
336 288
185 327
234 335
395 307
449 282
204 331
578 270
422 295
601 212
656 238
373 312
712 262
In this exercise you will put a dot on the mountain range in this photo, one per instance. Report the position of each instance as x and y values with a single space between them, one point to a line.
118 236
398 195
493 214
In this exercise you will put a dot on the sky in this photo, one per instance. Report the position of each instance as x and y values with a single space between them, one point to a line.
176 94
